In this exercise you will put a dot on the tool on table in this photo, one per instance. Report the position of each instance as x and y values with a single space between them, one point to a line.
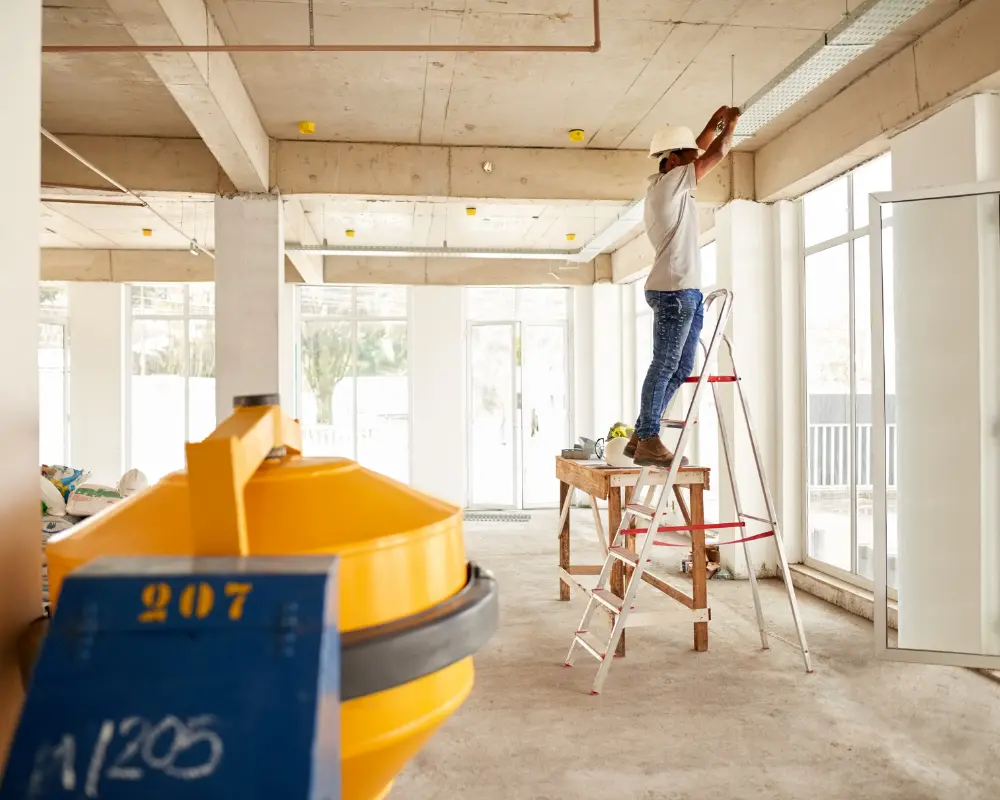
654 512
585 450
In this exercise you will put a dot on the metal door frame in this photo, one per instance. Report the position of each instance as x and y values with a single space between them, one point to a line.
566 326
515 334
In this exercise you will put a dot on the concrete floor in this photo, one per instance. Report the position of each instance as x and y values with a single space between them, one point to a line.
735 722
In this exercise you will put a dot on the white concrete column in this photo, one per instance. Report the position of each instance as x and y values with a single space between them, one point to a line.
98 370
438 410
608 354
747 266
945 301
790 478
584 364
20 551
630 399
251 307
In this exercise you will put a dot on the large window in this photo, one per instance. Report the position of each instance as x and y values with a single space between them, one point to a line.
53 374
171 387
354 394
838 374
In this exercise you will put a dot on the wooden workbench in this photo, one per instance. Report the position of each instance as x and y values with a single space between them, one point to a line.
601 482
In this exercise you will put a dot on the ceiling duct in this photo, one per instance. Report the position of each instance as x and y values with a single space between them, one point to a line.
859 31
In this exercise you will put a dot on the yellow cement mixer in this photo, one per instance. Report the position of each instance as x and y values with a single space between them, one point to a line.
412 609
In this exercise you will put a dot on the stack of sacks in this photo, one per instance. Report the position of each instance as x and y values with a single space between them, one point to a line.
57 483
67 498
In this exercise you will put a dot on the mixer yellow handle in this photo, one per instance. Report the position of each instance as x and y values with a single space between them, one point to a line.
220 466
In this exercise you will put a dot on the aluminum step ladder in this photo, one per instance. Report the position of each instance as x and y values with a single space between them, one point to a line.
648 519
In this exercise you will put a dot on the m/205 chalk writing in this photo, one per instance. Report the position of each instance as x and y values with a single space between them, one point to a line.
187 751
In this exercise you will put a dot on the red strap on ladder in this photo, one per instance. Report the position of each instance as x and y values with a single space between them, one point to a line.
706 527
713 379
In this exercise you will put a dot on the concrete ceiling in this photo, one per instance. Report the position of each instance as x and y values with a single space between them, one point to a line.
72 219
75 218
404 223
666 60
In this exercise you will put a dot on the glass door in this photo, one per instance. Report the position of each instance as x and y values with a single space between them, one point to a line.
545 409
935 444
493 415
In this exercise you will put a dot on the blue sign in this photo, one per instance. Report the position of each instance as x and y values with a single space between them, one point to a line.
178 677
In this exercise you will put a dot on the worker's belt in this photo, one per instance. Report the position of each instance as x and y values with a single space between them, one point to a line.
389 655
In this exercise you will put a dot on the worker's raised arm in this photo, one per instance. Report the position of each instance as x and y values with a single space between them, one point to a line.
719 148
707 136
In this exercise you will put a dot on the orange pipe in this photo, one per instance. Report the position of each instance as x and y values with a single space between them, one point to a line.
337 48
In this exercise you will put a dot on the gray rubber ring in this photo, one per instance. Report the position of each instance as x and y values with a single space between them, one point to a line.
252 400
386 656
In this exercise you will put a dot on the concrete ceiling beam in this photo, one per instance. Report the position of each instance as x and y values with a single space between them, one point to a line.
957 58
167 266
338 168
298 230
206 86
448 271
126 266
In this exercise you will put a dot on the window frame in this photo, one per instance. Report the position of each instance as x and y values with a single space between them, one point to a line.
849 238
61 316
353 319
186 317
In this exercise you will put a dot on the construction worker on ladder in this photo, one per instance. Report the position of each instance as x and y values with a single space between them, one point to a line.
673 288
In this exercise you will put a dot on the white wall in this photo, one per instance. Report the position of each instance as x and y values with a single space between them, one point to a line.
97 377
747 264
438 392
946 305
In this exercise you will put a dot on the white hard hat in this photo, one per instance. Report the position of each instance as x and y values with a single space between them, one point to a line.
672 137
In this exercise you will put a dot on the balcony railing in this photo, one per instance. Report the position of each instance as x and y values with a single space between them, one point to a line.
829 455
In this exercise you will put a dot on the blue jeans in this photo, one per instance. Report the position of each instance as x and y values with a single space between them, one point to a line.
677 321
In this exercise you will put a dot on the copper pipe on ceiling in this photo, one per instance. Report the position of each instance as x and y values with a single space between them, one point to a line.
337 48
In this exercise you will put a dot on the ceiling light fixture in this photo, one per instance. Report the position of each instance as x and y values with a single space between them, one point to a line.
577 135
307 128
147 231
471 211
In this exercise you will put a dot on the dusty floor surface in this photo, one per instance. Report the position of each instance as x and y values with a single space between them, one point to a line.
735 722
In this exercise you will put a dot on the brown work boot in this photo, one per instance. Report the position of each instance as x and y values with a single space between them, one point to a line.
633 443
651 452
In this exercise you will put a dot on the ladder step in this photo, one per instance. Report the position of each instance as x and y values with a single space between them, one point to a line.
624 554
713 379
583 639
672 423
646 512
759 519
608 599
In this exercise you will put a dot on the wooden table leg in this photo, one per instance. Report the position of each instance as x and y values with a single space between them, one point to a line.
564 497
629 537
617 573
699 566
